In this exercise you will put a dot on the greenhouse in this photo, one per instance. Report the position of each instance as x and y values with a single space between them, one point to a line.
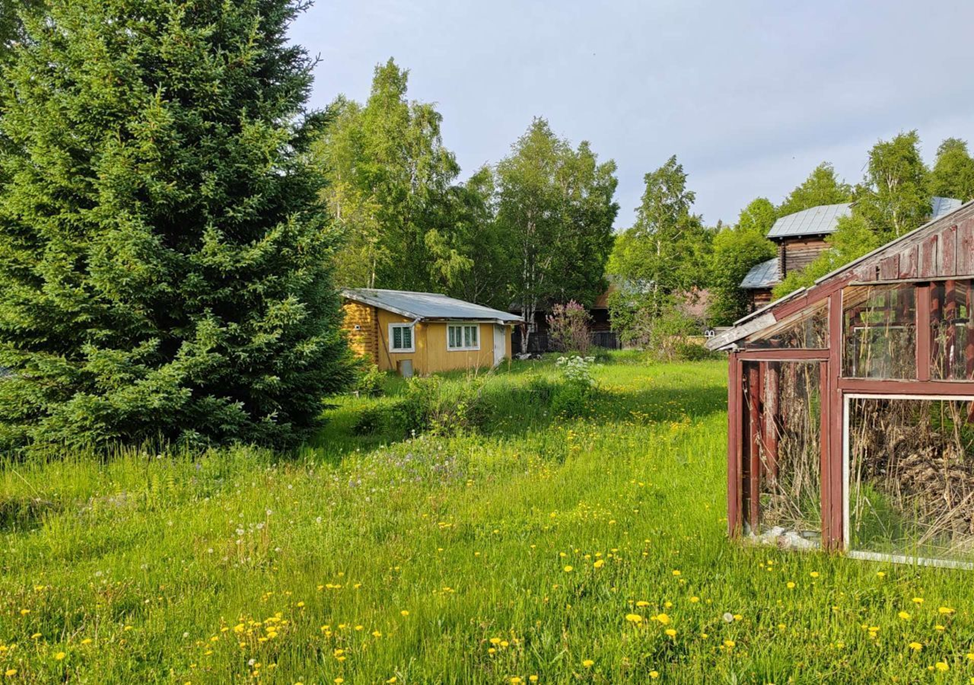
851 406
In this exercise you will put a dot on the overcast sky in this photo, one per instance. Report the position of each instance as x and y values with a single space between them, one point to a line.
749 95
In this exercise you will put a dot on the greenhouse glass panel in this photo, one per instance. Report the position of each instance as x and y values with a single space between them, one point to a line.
879 331
910 477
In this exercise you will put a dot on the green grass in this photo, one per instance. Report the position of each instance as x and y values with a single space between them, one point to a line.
446 558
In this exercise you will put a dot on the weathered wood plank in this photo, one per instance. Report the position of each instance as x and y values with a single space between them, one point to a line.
928 257
889 268
909 260
948 252
965 245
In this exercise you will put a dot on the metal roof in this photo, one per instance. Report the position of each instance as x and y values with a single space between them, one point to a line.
943 205
427 305
761 276
824 219
763 317
814 221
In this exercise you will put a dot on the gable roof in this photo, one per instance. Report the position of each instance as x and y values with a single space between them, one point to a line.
762 276
942 248
824 219
820 220
427 306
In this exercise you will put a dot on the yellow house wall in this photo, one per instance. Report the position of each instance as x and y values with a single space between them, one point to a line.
430 354
363 340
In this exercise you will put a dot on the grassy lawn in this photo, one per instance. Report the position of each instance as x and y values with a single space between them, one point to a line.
517 544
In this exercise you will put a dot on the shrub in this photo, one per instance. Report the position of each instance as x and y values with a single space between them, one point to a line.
429 405
568 328
370 381
575 395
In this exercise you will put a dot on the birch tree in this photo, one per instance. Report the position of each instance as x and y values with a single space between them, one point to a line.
555 211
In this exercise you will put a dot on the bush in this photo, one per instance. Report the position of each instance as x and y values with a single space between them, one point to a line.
572 400
370 421
370 381
693 352
429 406
568 328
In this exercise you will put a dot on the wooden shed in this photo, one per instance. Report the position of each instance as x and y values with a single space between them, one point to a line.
851 405
423 333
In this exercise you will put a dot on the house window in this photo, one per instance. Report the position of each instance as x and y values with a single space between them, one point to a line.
401 337
463 337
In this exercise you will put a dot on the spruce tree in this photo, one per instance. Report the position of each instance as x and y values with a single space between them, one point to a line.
163 269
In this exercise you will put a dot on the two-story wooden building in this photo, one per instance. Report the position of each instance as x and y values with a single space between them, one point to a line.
800 238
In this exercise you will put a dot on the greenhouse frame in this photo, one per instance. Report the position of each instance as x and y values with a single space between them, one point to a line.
851 406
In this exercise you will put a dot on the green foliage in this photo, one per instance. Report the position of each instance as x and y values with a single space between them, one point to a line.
953 172
667 250
892 200
163 273
389 178
894 197
822 187
735 251
369 382
568 328
556 210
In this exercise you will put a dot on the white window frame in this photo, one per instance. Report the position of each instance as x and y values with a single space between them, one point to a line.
846 466
462 325
412 338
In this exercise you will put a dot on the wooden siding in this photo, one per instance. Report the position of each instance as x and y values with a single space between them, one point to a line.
361 325
794 254
945 251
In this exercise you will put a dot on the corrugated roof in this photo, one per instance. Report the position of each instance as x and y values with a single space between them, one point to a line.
427 305
824 219
763 275
814 221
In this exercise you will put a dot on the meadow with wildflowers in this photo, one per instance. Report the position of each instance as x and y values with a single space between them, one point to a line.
491 540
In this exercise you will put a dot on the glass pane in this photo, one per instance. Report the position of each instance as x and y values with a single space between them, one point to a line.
407 337
786 428
806 330
473 336
911 478
467 335
880 331
952 331
451 332
396 337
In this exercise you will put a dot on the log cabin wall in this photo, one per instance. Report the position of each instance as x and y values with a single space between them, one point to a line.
794 254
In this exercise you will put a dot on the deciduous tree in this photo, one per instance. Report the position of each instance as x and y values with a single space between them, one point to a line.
953 172
822 187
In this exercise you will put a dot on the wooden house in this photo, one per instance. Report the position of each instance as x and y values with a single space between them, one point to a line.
801 237
424 333
851 405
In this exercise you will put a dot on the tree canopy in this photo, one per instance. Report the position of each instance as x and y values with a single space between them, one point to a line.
556 209
163 267
822 187
953 171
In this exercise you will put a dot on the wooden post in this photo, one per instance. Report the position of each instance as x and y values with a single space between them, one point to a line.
832 534
950 310
754 449
735 426
969 348
924 294
770 423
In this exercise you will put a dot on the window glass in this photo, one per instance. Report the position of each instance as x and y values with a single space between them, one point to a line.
784 422
806 330
911 478
402 337
879 331
952 331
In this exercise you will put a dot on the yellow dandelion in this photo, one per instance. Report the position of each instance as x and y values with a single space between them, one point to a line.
916 646
569 569
634 618
663 618
904 615
598 564
642 603
404 612
654 674
942 666
791 585
671 632
945 610
588 663
918 600
814 574
59 656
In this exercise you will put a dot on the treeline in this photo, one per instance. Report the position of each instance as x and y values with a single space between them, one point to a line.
532 230
668 257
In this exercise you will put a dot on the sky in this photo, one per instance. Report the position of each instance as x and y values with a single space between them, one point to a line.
749 95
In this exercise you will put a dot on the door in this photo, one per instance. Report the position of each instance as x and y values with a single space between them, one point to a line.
500 344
